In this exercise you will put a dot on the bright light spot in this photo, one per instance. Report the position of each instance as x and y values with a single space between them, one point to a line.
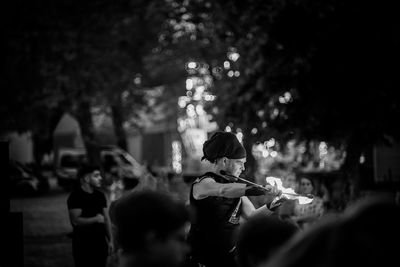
190 111
265 153
200 110
228 129
362 159
259 147
323 149
264 124
227 65
177 156
287 96
233 56
200 89
275 113
240 137
137 80
182 101
192 65
274 154
237 73
260 113
197 96
181 125
270 143
209 97
208 80
254 131
231 73
189 94
189 84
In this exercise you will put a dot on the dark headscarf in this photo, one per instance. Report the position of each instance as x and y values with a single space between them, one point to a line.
223 144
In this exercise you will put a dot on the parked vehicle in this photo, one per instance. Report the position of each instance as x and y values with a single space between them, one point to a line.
116 163
25 180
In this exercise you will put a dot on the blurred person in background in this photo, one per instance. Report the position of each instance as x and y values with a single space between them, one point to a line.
87 206
219 202
150 229
366 234
306 214
260 236
289 181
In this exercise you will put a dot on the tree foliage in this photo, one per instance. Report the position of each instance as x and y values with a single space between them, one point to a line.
335 60
74 56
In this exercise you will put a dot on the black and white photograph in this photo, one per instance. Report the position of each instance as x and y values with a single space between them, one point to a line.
200 133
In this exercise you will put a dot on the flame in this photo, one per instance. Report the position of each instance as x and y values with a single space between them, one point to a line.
278 183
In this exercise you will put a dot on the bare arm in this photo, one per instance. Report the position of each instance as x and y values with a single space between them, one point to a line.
209 187
248 208
108 225
77 220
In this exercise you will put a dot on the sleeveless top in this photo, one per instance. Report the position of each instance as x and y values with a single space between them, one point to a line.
216 221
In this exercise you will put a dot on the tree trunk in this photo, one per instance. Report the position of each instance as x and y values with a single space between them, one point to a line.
351 165
85 120
118 122
41 146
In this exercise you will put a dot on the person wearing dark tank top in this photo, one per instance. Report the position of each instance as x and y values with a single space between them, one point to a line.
219 204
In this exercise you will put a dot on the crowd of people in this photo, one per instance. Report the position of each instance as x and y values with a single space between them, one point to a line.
220 226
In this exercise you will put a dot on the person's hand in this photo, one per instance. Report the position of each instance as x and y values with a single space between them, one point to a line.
276 202
99 218
273 190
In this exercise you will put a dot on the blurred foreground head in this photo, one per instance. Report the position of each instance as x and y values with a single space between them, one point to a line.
260 236
150 229
366 235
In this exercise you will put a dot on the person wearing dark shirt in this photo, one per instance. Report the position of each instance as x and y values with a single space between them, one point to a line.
87 207
219 204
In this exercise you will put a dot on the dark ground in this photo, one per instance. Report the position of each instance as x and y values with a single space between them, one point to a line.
46 225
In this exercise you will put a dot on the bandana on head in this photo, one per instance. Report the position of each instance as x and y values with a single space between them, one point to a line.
223 144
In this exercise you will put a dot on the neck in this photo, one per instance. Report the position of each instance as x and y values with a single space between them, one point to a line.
87 188
217 167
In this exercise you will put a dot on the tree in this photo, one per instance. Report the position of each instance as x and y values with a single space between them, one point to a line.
77 56
311 71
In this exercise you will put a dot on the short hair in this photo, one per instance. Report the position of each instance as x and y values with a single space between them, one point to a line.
85 169
260 237
140 212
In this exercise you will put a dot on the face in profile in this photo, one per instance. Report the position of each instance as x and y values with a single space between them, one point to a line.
235 166
95 178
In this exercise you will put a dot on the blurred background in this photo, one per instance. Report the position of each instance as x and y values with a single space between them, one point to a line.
135 86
